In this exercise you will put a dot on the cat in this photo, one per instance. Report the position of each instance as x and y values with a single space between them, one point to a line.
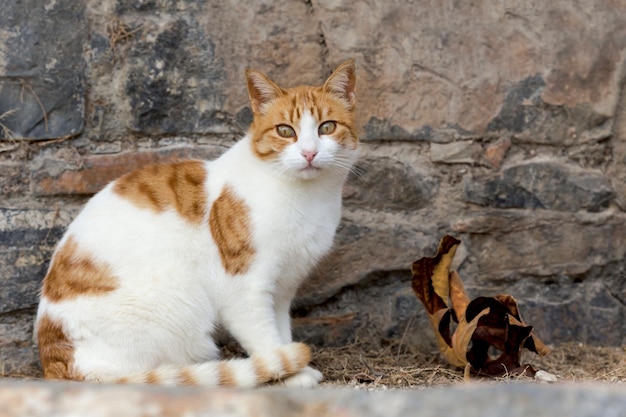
166 255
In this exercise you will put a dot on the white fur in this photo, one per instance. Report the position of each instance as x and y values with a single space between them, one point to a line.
173 291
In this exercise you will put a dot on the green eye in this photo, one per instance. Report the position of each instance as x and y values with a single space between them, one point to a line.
327 128
285 131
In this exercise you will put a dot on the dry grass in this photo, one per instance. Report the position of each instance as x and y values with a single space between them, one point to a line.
392 367
5 132
395 366
120 34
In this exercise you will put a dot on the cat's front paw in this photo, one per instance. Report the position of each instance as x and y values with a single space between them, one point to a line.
307 378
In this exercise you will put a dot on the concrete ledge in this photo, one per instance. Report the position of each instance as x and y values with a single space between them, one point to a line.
24 398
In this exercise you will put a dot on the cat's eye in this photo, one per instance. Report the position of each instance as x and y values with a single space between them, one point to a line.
327 128
285 131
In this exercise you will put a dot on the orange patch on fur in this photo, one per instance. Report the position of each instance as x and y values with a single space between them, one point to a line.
175 185
56 351
187 378
304 355
225 375
293 365
263 374
288 366
229 224
73 273
152 378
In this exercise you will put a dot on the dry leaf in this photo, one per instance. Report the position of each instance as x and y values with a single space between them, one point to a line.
458 295
490 333
434 291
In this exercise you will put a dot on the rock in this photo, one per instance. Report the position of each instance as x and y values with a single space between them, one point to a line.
453 153
13 180
552 269
186 75
542 185
172 88
18 356
366 243
387 184
495 152
462 64
517 112
617 168
347 317
42 69
543 376
27 238
510 244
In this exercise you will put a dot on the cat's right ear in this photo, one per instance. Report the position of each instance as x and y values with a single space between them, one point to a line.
342 83
261 90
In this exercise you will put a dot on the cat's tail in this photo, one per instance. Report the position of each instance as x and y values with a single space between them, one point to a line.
256 370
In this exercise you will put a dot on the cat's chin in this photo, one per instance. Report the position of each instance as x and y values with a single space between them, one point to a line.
309 173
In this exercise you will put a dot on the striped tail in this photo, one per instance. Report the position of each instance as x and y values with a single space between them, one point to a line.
256 370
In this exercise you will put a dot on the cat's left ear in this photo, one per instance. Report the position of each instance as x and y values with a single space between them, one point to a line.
342 83
261 90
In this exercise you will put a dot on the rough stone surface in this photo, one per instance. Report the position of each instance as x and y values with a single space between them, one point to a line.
390 185
461 152
516 400
504 124
26 241
18 356
42 69
543 185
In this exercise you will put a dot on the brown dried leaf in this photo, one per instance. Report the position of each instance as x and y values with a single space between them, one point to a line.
430 276
532 343
458 295
441 325
463 334
490 332
431 284
499 331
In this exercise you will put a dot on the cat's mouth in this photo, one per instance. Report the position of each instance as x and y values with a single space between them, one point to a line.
309 172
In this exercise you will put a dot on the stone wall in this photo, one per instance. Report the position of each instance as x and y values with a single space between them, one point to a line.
503 123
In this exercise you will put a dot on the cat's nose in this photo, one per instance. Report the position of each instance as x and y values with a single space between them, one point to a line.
309 155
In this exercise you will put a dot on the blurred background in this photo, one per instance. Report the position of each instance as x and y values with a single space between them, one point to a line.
501 122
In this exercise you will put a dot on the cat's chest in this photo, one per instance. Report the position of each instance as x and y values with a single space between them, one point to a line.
295 218
292 221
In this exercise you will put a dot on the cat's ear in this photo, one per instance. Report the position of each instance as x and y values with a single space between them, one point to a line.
261 90
342 83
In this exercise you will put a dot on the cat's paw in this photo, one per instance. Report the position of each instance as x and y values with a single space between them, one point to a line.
307 378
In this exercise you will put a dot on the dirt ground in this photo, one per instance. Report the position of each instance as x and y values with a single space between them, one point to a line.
396 367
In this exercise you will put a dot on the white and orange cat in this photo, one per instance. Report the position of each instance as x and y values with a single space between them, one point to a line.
166 255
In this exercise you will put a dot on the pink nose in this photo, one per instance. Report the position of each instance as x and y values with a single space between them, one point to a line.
309 155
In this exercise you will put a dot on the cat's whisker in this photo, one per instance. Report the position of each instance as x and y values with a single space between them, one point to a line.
358 172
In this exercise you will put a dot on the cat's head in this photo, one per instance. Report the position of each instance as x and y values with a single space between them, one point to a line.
305 131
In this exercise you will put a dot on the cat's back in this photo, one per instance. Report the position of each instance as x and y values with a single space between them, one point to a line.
151 218
177 188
